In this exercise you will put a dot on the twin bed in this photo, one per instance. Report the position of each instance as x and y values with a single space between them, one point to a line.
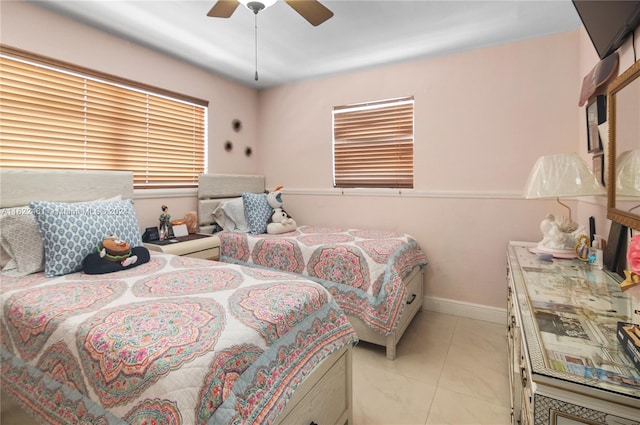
175 340
376 277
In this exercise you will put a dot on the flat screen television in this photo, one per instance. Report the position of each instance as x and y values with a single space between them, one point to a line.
608 22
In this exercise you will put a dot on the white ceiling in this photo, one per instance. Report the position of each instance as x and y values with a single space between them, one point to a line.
361 34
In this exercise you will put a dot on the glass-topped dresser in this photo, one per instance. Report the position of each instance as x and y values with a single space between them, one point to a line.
566 364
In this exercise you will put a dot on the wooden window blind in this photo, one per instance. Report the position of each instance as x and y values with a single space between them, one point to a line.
373 144
60 118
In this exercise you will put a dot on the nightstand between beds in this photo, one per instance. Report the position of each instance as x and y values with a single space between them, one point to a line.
204 246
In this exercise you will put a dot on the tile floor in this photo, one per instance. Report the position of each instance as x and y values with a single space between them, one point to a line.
449 370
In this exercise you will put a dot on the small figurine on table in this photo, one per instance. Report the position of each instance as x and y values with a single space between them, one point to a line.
632 275
165 219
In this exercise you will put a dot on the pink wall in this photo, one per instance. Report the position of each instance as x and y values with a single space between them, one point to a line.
482 118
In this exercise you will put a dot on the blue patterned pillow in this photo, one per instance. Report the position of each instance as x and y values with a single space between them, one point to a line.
70 231
257 211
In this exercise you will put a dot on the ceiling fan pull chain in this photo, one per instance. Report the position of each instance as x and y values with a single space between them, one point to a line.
256 42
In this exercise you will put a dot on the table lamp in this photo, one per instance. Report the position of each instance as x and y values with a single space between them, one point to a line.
628 174
560 176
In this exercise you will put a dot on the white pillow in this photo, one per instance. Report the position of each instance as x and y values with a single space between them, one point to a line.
222 219
22 241
230 216
4 256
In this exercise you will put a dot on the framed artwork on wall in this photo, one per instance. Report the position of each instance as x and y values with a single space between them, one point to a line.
598 167
596 115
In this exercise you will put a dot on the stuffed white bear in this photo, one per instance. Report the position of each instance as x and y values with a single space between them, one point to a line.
280 222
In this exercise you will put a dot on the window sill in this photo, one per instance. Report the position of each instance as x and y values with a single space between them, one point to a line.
164 193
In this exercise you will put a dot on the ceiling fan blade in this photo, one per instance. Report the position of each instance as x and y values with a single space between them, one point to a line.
311 10
223 8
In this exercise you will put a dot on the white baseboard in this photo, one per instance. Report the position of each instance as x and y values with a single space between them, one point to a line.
465 309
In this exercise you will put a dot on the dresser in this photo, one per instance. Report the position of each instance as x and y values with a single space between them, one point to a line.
566 365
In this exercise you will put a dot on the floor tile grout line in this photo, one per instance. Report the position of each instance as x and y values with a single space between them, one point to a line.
455 328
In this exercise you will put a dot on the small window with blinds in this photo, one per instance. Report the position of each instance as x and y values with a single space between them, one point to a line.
373 144
59 116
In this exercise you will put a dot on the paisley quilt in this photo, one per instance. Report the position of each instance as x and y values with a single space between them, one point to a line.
363 269
177 340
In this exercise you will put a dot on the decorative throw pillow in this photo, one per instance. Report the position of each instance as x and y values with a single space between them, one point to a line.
257 210
235 211
70 231
22 242
230 216
4 256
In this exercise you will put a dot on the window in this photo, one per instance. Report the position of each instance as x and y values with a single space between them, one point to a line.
57 115
373 144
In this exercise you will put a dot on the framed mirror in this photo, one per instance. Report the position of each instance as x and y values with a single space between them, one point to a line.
623 173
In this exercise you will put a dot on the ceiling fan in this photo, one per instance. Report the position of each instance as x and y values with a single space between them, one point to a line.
311 10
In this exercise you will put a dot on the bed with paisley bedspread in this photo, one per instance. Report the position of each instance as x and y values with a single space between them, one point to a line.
375 276
176 340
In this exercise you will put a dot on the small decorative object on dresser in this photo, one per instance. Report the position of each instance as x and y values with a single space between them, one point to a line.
632 275
566 365
629 337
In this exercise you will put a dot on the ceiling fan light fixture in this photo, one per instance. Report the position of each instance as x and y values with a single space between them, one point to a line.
256 6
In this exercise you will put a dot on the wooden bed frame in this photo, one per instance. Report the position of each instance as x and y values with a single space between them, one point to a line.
325 396
214 188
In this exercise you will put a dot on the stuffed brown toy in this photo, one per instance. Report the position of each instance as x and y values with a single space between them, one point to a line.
112 255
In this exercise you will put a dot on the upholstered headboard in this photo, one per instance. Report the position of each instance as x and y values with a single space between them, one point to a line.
20 186
214 188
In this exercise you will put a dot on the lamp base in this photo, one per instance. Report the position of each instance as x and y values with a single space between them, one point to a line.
559 237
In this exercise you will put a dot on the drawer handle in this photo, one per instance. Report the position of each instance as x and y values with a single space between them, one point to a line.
413 298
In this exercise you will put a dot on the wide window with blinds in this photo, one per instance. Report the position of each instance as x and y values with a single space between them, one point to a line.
54 115
373 144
